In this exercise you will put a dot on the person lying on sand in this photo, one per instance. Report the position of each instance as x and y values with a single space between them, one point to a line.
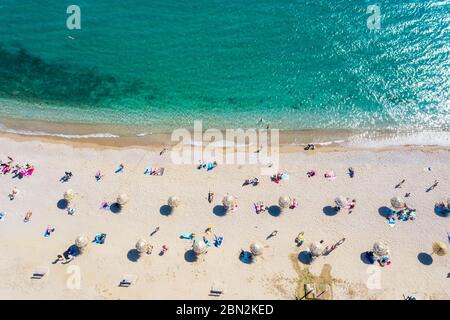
399 185
300 239
13 193
28 216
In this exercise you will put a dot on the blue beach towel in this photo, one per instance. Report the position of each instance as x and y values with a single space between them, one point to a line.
218 242
209 166
391 222
49 232
2 215
188 236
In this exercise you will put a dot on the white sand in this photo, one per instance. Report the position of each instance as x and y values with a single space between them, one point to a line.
23 246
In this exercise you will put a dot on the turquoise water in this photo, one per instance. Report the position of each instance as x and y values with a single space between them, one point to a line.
165 63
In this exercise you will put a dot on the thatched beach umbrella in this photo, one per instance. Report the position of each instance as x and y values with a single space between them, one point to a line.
199 246
440 248
122 199
284 202
341 202
256 248
397 202
316 249
81 242
141 246
173 202
69 195
380 248
228 202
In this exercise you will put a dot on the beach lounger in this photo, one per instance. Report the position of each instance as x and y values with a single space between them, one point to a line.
310 291
217 289
39 273
127 280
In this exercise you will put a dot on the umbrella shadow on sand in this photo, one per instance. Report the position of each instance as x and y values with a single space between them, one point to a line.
305 257
425 258
62 204
165 210
329 211
365 259
246 257
190 256
441 212
274 211
133 255
384 211
219 211
115 208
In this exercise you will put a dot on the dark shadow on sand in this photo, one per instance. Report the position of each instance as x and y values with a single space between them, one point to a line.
274 211
425 258
385 212
165 210
219 211
329 211
115 208
133 255
62 204
190 256
305 257
441 212
246 257
365 259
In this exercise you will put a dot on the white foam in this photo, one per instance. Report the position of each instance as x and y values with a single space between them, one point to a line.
421 138
59 135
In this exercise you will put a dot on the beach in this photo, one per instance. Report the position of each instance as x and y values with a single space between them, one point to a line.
274 275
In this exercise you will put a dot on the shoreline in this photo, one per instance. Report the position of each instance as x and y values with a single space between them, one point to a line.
108 136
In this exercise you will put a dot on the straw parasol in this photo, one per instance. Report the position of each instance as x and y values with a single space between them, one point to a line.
284 202
141 246
122 199
440 248
256 248
397 202
174 202
316 249
81 241
341 202
199 246
228 201
69 195
380 248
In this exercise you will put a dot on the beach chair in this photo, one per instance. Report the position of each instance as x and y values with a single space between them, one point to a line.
39 273
127 280
310 291
217 289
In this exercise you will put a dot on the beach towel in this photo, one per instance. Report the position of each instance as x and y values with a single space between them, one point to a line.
285 176
100 238
2 215
218 242
391 222
209 166
49 231
148 171
188 236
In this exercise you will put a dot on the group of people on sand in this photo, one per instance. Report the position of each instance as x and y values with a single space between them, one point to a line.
254 182
16 170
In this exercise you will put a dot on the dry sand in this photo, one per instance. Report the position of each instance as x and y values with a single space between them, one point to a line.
274 276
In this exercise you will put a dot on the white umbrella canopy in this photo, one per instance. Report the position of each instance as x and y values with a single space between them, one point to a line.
141 246
440 248
228 201
81 241
174 202
284 202
397 202
123 199
199 246
256 248
316 249
341 201
69 195
380 248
